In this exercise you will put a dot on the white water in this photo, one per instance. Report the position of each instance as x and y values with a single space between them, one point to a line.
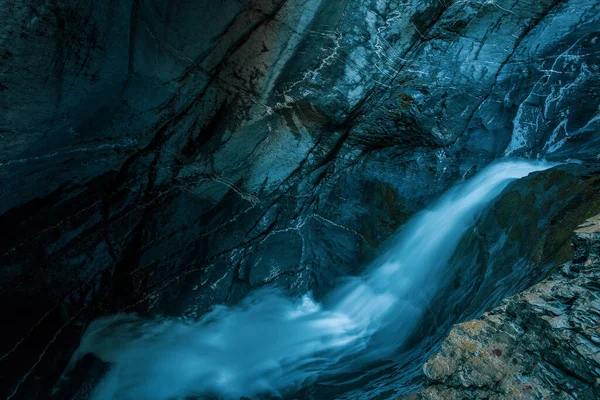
273 344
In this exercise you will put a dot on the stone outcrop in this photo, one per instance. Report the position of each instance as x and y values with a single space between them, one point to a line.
515 243
541 343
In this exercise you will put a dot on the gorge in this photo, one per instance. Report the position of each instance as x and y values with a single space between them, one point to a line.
285 198
270 344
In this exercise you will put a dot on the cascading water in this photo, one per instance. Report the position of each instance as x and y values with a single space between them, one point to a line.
270 344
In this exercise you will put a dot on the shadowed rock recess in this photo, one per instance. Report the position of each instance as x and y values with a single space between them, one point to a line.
163 157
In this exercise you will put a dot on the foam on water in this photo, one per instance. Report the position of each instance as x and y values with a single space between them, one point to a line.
273 344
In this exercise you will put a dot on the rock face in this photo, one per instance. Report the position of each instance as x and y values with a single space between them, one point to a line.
542 343
165 156
515 243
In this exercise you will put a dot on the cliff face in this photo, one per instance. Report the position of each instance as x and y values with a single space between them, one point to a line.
163 157
542 343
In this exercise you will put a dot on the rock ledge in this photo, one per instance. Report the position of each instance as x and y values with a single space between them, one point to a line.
541 343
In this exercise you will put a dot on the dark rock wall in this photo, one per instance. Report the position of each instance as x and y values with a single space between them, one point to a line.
525 235
518 241
165 156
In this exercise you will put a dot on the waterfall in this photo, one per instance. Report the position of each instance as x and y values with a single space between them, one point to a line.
271 344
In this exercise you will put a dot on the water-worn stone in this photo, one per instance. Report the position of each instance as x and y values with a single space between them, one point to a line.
541 343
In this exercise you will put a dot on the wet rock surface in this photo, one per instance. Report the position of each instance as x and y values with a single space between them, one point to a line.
541 343
524 236
163 157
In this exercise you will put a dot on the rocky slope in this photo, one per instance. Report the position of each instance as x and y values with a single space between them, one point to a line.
163 157
542 343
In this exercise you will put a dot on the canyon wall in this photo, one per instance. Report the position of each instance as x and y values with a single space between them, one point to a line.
166 156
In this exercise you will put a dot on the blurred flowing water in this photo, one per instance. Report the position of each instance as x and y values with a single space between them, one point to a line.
272 345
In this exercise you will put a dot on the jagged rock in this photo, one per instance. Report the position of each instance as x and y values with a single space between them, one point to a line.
542 343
